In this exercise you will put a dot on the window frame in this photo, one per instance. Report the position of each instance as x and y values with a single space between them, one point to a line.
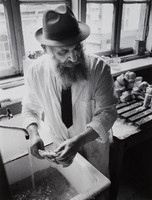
117 18
12 31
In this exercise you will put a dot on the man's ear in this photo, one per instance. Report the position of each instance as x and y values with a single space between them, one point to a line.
43 47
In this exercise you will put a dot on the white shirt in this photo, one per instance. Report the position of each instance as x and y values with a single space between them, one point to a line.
93 100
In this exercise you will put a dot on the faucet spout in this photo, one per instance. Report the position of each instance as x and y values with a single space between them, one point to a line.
10 115
17 128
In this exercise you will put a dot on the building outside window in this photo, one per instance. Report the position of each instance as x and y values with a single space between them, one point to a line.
19 21
6 59
132 24
121 22
99 18
31 17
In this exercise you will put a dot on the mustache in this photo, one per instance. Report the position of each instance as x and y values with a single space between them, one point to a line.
79 61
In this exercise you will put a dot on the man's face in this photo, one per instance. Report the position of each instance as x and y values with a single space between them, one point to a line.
70 62
68 56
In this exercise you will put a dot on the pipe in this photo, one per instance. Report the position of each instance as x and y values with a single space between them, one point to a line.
10 115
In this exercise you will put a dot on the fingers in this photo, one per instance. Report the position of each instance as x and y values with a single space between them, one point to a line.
67 163
60 148
65 159
63 150
52 160
34 152
42 153
50 154
53 157
35 144
66 154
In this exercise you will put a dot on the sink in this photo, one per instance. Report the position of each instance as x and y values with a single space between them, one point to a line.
79 181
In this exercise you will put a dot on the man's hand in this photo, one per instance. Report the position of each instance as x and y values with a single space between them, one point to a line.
69 148
67 151
36 143
50 156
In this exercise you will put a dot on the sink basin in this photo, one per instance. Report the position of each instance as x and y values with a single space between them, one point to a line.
48 184
79 181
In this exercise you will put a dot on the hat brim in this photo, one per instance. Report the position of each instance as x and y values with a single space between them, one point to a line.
83 34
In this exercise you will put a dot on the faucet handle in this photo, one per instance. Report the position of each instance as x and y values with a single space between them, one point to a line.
8 113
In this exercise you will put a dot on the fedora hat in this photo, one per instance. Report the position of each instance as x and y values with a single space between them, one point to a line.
60 28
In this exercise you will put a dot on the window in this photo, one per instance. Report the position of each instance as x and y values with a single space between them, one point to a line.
116 24
99 18
132 25
6 61
19 20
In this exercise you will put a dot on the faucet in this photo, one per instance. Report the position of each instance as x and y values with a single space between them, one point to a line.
9 115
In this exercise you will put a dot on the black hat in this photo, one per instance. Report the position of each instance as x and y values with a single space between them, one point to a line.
60 28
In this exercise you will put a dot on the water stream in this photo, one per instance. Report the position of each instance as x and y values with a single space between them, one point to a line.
31 167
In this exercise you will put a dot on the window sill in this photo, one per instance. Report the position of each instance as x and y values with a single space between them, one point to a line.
11 91
11 82
133 65
11 96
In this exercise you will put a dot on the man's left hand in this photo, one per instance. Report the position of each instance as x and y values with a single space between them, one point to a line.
67 151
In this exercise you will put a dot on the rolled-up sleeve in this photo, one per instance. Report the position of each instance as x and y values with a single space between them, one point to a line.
105 102
31 109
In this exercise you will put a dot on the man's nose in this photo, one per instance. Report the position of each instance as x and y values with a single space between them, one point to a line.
72 56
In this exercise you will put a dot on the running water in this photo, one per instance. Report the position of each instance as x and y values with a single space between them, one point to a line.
31 167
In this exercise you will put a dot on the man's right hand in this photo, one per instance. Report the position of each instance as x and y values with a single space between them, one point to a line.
36 142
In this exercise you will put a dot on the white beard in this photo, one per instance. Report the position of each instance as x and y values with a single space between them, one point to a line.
69 75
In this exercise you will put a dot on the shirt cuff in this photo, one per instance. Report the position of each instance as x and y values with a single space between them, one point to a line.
30 120
99 128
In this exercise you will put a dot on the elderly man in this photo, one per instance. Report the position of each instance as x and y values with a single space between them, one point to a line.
73 89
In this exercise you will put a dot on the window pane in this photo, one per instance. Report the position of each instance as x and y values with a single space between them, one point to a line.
132 24
99 18
31 16
6 64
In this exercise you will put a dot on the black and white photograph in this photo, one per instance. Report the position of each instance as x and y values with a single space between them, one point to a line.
75 99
